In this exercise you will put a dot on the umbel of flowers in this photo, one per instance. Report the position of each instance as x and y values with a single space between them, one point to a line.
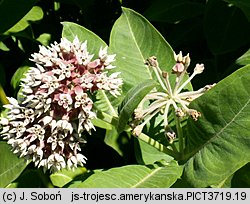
175 98
55 106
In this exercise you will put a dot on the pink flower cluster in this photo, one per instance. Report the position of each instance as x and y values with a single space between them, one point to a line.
46 125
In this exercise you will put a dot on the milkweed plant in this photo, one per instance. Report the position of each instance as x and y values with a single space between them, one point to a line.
138 87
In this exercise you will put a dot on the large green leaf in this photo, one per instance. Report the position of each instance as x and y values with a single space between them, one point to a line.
131 101
173 11
159 175
219 142
187 32
35 14
244 5
11 11
65 176
134 40
10 166
226 27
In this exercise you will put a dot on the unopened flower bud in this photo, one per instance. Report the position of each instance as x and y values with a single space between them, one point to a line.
178 57
178 68
189 99
187 60
170 134
183 60
199 68
164 75
152 61
208 87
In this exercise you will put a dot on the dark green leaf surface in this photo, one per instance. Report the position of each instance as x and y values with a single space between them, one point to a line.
11 11
173 11
30 178
219 142
10 166
223 27
241 178
2 75
185 32
160 175
244 5
131 101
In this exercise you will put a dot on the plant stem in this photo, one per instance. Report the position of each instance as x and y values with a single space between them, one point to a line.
158 146
180 135
173 147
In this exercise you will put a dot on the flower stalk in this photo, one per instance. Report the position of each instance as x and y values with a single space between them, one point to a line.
180 135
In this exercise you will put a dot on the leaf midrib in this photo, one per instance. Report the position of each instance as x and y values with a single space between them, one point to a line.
10 169
146 177
63 176
136 44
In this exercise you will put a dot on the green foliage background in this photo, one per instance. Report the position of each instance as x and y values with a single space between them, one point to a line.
214 32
